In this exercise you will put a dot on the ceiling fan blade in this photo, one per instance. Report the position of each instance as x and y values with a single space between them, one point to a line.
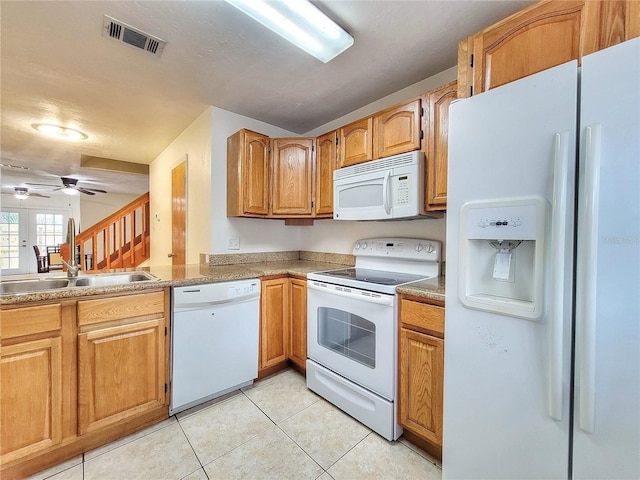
84 190
95 190
41 184
38 195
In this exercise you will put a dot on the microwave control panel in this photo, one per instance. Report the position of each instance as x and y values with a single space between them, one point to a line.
401 190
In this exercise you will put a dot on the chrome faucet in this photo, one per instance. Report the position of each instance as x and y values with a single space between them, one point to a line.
72 268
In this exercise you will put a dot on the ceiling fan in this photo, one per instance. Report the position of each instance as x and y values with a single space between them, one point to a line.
23 192
70 187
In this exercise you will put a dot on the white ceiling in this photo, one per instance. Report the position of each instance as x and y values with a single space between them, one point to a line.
56 67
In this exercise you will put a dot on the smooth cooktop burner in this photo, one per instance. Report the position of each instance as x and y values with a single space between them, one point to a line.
379 277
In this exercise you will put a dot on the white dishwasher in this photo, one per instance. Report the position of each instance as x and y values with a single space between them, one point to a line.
214 340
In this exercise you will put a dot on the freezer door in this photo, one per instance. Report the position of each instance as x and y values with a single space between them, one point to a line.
506 379
607 386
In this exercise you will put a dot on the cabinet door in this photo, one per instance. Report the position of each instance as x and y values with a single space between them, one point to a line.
31 407
274 322
298 353
325 165
545 35
437 103
292 176
256 173
121 373
397 129
421 380
356 144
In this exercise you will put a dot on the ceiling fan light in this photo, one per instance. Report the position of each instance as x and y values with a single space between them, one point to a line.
58 131
70 191
301 23
21 196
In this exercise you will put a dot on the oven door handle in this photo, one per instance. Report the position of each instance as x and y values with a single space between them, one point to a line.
369 297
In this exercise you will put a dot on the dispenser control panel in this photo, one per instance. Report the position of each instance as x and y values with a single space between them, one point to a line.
503 222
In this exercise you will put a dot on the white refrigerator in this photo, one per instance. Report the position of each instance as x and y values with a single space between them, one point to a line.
542 332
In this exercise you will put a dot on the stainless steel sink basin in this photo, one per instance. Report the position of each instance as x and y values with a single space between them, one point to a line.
13 287
30 286
113 279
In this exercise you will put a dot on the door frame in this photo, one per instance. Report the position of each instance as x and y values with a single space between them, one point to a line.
179 212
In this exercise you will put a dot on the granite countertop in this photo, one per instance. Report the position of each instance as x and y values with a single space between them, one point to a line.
194 274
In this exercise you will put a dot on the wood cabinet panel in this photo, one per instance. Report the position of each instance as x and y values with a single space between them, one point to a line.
421 384
397 129
248 174
292 190
30 320
326 163
31 407
298 349
274 322
119 308
422 315
121 373
437 103
542 36
356 142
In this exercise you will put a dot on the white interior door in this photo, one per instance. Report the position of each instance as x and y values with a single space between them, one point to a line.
14 241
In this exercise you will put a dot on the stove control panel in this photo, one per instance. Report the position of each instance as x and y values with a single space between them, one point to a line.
415 249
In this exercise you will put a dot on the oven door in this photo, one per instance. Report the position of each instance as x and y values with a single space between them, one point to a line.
353 333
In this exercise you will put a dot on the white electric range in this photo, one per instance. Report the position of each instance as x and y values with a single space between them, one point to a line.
352 332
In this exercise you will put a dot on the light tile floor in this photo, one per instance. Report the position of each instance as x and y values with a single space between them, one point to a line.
274 429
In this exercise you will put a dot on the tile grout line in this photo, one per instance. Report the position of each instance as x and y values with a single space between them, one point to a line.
192 449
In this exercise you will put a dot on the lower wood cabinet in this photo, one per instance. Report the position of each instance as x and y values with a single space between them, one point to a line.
274 322
283 324
79 373
421 370
298 350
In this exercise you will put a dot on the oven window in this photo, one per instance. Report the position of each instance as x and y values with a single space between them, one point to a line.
347 334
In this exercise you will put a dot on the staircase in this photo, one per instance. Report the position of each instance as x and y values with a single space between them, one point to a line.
119 241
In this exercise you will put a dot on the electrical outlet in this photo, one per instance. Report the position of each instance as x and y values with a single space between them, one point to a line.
233 243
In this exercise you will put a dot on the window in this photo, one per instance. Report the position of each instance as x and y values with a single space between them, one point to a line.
49 230
9 240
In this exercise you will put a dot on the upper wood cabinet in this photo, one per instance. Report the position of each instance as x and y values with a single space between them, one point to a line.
292 189
298 348
542 36
356 142
248 174
274 322
436 120
326 163
397 129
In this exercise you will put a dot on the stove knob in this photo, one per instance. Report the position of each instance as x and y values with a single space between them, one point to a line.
364 245
430 249
357 247
419 247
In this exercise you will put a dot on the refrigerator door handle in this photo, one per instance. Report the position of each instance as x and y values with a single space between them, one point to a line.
588 262
558 265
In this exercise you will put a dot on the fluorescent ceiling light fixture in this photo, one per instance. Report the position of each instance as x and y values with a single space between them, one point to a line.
59 131
301 23
70 191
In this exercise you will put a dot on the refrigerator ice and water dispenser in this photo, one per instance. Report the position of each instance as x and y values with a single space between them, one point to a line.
501 264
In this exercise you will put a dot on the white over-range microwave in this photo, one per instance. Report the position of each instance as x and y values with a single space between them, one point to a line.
384 189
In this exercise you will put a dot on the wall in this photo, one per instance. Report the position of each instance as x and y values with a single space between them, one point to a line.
193 145
96 208
256 235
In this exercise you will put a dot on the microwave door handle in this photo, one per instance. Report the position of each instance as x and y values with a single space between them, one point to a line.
385 192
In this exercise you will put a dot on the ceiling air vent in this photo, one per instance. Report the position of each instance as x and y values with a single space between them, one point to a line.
118 30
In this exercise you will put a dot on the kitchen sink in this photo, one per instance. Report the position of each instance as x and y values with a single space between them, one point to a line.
29 286
13 287
113 279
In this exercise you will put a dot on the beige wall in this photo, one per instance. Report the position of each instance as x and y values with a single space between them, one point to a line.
96 208
194 146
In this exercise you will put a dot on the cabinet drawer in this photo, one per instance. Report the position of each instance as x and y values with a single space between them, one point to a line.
119 308
422 315
27 321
